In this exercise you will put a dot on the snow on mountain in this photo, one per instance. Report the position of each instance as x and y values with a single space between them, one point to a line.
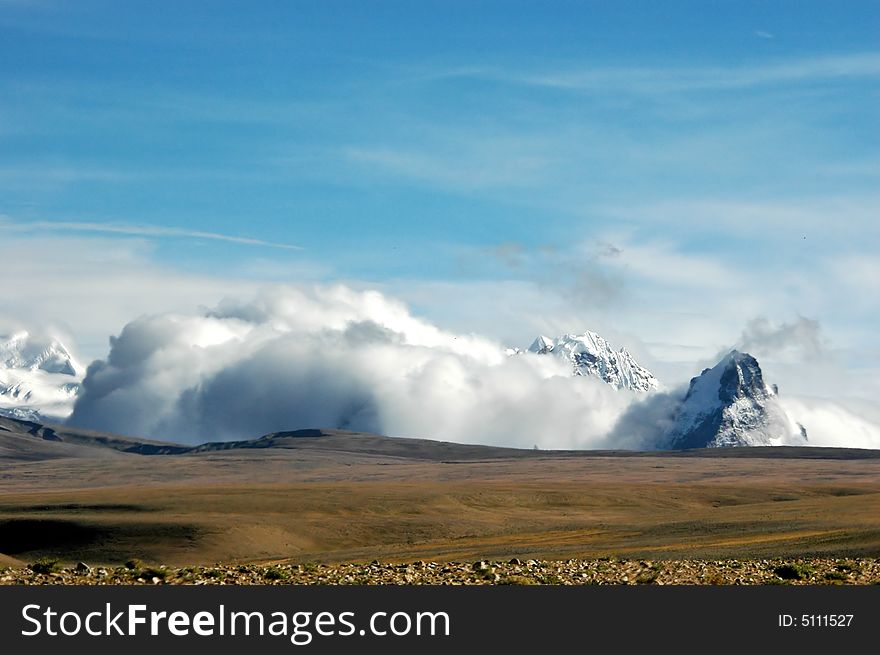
591 355
730 405
39 378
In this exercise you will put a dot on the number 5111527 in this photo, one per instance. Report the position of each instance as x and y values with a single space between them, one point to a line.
815 620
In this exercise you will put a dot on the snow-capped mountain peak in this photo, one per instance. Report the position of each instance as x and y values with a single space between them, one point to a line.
542 345
23 351
590 354
731 405
38 377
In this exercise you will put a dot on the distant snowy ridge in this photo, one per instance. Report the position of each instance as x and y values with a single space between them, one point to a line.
23 351
731 405
39 378
591 355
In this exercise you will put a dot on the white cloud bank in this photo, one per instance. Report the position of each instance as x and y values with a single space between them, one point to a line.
830 424
334 357
331 356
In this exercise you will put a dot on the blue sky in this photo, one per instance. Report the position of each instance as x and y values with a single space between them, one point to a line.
665 173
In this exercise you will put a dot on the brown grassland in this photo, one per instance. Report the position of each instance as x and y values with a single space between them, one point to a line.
333 499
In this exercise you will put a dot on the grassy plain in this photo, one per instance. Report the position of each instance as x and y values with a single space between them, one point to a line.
341 497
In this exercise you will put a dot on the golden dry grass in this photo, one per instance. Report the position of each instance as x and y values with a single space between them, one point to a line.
6 561
316 506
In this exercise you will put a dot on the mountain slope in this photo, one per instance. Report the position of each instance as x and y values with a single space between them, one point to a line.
731 405
23 351
39 378
591 355
24 440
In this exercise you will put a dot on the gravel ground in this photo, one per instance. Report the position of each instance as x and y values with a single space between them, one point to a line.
570 572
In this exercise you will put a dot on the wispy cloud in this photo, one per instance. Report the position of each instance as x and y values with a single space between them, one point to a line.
473 163
139 230
31 174
761 34
805 218
665 263
662 80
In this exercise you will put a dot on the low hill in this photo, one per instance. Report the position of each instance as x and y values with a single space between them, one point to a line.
22 440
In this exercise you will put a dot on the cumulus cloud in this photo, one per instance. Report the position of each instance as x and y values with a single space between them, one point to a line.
334 357
830 424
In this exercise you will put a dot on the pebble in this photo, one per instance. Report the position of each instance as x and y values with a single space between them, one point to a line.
858 571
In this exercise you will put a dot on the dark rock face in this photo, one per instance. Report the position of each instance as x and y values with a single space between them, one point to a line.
742 379
702 435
